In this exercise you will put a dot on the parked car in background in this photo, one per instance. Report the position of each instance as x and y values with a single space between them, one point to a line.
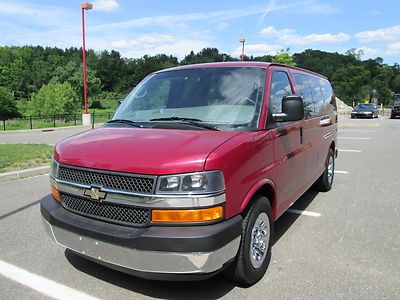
193 170
395 109
367 110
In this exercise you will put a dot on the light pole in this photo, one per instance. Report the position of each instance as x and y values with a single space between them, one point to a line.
242 40
85 115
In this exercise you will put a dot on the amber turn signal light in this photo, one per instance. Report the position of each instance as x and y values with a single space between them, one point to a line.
55 193
187 215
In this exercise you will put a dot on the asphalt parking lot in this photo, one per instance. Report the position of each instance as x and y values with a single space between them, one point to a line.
341 244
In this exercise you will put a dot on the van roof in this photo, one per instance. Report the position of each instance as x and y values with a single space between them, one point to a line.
240 64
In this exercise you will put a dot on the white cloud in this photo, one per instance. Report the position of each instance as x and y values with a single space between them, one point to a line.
375 12
271 31
388 34
393 49
289 37
143 41
177 47
105 5
121 44
222 26
270 7
369 52
324 38
257 49
386 39
219 16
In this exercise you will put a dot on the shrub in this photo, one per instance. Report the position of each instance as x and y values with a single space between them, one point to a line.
55 98
8 108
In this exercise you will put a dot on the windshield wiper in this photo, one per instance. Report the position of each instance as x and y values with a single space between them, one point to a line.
191 121
124 121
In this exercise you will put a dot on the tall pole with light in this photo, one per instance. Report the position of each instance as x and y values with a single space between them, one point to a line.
242 40
85 115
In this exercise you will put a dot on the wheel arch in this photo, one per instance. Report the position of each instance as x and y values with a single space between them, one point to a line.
264 187
333 147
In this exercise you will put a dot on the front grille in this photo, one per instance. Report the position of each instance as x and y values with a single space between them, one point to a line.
109 212
121 182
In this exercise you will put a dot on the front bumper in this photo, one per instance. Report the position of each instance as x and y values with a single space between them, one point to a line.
151 252
362 114
395 112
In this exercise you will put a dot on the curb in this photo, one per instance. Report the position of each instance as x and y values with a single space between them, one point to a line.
48 129
4 177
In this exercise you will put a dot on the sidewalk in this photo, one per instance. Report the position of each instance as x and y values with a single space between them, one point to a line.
4 177
49 136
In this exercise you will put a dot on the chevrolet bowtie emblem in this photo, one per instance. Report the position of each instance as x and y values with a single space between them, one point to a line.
95 193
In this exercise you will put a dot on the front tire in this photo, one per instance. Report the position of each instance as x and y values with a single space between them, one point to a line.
254 253
325 181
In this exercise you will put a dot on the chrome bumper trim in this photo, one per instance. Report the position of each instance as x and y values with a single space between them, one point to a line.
145 261
143 200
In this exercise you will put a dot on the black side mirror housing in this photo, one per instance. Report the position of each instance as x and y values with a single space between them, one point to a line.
292 109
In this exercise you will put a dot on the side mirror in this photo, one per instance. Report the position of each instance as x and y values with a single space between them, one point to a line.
292 109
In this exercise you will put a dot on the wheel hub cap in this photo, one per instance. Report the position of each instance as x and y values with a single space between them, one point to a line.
260 236
330 169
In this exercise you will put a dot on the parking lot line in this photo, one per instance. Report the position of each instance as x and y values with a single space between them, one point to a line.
357 130
353 138
359 124
304 212
341 172
349 150
40 284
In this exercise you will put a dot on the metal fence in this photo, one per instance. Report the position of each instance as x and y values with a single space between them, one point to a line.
53 121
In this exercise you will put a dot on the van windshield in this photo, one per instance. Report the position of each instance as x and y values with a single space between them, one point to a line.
228 98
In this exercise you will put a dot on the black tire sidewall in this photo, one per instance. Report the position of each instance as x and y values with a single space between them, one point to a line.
249 275
326 185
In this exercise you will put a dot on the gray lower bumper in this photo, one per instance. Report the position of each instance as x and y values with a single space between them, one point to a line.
144 261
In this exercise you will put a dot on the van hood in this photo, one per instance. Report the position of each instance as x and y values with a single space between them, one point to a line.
141 150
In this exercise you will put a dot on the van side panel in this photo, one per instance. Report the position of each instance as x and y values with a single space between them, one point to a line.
320 121
244 160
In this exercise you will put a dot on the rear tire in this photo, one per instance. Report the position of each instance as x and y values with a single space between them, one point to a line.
254 253
325 181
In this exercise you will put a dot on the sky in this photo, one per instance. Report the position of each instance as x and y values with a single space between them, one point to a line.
136 28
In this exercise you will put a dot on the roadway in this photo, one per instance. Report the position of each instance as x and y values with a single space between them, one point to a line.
344 245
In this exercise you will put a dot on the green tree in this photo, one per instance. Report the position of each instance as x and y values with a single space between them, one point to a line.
8 109
351 83
55 98
284 57
204 56
73 74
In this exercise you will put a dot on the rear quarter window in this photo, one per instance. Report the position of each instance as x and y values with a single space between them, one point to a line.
328 96
304 91
317 94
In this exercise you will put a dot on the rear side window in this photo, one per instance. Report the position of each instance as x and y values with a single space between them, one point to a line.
327 93
316 95
280 87
304 91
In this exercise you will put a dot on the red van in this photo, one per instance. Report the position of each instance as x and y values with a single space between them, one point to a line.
190 174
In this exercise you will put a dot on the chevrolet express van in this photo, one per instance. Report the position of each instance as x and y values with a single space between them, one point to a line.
189 176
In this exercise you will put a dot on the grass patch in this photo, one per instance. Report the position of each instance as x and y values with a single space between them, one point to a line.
100 116
23 156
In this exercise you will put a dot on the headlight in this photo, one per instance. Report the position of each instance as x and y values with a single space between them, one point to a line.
191 183
54 168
